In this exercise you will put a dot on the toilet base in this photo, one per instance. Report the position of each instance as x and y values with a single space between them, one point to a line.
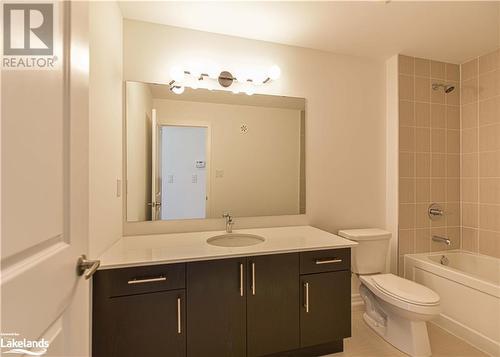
408 336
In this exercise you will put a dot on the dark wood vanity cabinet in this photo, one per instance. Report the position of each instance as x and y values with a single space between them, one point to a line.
295 304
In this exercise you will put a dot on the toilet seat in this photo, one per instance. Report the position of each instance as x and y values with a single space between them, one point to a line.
405 290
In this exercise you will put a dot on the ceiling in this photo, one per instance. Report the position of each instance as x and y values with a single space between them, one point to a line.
447 31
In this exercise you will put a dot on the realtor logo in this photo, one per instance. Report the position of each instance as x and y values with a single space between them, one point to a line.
28 29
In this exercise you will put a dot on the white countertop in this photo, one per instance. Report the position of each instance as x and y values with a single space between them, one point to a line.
188 247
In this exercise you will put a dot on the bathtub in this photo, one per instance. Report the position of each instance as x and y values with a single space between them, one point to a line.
469 287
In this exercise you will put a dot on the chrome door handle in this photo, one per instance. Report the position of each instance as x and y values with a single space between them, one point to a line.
306 296
253 278
149 280
241 279
84 264
179 329
328 261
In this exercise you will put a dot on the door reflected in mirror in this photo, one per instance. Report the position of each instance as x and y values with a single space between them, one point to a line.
203 153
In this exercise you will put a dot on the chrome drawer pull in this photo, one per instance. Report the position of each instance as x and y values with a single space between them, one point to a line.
306 297
142 281
328 261
253 278
241 280
179 329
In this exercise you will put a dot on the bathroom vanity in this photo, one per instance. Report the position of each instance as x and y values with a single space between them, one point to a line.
177 295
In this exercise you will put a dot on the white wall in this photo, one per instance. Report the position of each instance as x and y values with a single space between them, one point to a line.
105 108
345 117
139 107
260 168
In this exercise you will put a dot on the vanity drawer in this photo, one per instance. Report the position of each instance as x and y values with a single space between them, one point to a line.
139 280
325 260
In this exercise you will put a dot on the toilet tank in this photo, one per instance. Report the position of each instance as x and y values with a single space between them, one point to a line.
369 256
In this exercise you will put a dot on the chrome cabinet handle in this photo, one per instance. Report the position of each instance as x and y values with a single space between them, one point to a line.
241 279
179 329
150 280
85 264
327 261
306 296
253 278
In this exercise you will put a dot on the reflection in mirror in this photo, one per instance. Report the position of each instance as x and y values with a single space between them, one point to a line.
203 153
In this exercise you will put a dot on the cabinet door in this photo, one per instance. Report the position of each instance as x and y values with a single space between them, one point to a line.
325 315
141 325
217 308
272 304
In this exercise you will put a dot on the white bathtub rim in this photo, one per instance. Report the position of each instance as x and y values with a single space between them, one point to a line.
422 261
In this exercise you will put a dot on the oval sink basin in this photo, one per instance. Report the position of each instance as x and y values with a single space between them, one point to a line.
235 240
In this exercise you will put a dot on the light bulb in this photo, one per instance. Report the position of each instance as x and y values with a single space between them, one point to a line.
250 90
235 89
196 73
177 74
178 89
274 72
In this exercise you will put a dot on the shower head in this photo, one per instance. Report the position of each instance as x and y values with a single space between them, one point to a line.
446 87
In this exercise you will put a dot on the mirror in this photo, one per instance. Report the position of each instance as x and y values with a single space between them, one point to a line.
203 153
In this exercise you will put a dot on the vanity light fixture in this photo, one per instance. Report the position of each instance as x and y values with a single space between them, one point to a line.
192 78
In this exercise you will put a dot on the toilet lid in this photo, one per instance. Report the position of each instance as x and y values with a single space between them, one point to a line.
405 290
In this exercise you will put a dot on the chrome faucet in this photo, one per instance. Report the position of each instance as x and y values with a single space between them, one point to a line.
445 240
229 222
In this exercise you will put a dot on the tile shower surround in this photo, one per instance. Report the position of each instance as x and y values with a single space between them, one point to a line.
429 154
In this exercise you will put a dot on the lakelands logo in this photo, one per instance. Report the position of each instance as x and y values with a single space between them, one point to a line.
11 344
28 36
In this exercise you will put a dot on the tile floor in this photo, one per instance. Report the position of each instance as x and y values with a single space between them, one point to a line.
366 343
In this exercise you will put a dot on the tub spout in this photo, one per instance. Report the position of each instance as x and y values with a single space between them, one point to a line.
445 240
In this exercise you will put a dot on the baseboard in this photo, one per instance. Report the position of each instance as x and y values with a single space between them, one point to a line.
474 338
357 303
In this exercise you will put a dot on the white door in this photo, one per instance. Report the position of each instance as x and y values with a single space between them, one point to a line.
44 194
184 172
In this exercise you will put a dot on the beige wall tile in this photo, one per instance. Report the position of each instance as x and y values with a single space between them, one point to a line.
407 139
469 70
469 165
423 240
406 216
469 140
422 139
406 190
489 217
423 114
438 190
489 164
469 190
469 93
489 190
422 219
438 96
489 85
488 62
422 67
470 239
406 241
453 214
453 190
406 64
423 190
452 72
453 165
453 141
422 165
489 111
489 243
470 215
438 70
438 165
452 117
438 140
406 113
406 90
438 116
406 164
441 232
422 89
469 115
489 137
453 233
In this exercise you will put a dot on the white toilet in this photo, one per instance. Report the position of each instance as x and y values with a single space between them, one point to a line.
396 308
